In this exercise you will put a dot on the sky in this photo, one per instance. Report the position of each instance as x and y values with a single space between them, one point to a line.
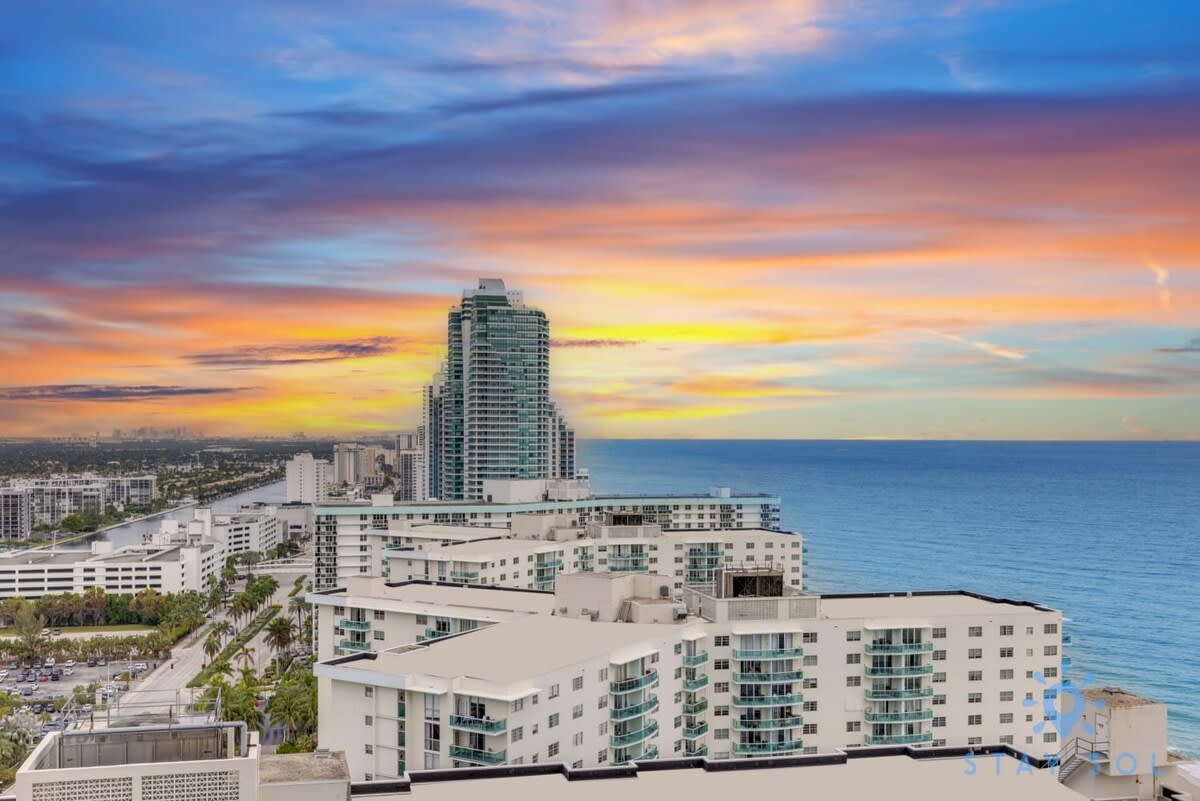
962 219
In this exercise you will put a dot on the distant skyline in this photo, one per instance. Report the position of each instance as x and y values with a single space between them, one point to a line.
971 219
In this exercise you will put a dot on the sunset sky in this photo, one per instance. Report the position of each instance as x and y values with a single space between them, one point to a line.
951 219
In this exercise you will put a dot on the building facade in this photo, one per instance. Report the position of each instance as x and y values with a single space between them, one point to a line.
56 497
16 514
307 479
627 670
351 540
488 414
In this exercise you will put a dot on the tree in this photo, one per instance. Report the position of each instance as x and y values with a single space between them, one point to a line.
212 645
298 606
95 604
72 523
27 628
222 629
280 634
246 656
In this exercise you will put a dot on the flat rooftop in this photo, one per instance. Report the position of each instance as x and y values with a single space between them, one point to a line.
481 550
1115 697
424 597
512 652
996 778
309 767
921 605
365 507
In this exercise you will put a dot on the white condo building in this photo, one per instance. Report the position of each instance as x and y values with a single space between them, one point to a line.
51 499
628 668
360 539
307 479
16 514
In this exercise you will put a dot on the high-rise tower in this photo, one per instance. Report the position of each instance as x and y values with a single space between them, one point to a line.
488 414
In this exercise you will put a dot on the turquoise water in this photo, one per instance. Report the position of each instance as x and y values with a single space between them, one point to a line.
1107 532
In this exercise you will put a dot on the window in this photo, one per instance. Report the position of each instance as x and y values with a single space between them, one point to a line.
721 641
370 749
939 678
853 636
1006 695
432 708
810 684
720 734
378 635
1050 737
552 751
577 683
577 739
974 720
602 756
517 733
602 702
939 723
1050 628
577 712
518 705
810 706
553 690
975 698
939 700
809 637
809 728
603 675
854 681
939 634
853 659
975 631
379 614
1006 631
1006 675
368 720
720 664
553 720
369 692
1050 672
939 656
1006 717
720 711
1006 653
1050 650
975 653
975 675
720 687
810 660
853 726
433 737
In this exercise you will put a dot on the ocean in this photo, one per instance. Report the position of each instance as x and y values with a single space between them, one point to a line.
1107 532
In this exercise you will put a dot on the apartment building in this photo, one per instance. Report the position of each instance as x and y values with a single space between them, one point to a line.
165 566
16 514
690 557
53 498
627 669
249 530
351 539
307 479
374 614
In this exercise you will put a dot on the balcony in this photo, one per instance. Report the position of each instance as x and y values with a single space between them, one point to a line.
899 647
898 670
636 683
695 708
899 739
355 625
637 710
768 700
464 575
700 750
698 683
650 752
767 724
553 564
899 695
483 725
768 748
768 653
477 756
695 660
768 678
695 732
627 566
433 634
1066 639
630 738
899 717
354 646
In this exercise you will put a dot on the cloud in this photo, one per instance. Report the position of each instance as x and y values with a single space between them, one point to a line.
1193 346
298 353
1160 281
999 351
108 392
594 343
552 97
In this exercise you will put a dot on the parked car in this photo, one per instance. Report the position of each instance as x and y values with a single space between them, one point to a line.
101 662
56 676
68 671
58 632
43 677
86 709
140 666
91 661
69 663
45 632
49 663
28 690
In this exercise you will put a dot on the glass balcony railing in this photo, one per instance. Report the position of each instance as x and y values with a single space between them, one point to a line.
1066 639
768 678
768 653
695 751
628 567
636 683
898 670
695 708
695 732
433 634
698 683
355 646
483 725
355 625
768 748
767 724
899 695
899 717
768 700
899 647
549 564
695 660
477 756
898 739
651 752
628 712
629 738
464 575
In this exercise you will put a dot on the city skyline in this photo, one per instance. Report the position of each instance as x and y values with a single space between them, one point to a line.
951 220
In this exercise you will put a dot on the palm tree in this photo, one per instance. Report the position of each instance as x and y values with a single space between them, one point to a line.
212 645
222 629
280 634
298 606
246 656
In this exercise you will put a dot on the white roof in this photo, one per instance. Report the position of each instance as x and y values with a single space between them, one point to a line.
891 609
446 600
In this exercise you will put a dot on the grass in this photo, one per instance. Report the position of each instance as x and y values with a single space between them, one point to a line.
233 646
124 628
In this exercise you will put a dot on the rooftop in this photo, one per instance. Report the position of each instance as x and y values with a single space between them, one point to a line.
921 605
481 550
310 767
1000 777
1115 697
481 506
424 597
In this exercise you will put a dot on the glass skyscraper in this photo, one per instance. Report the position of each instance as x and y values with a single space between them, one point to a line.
488 413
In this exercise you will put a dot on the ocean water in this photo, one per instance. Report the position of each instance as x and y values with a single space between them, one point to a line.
1107 532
